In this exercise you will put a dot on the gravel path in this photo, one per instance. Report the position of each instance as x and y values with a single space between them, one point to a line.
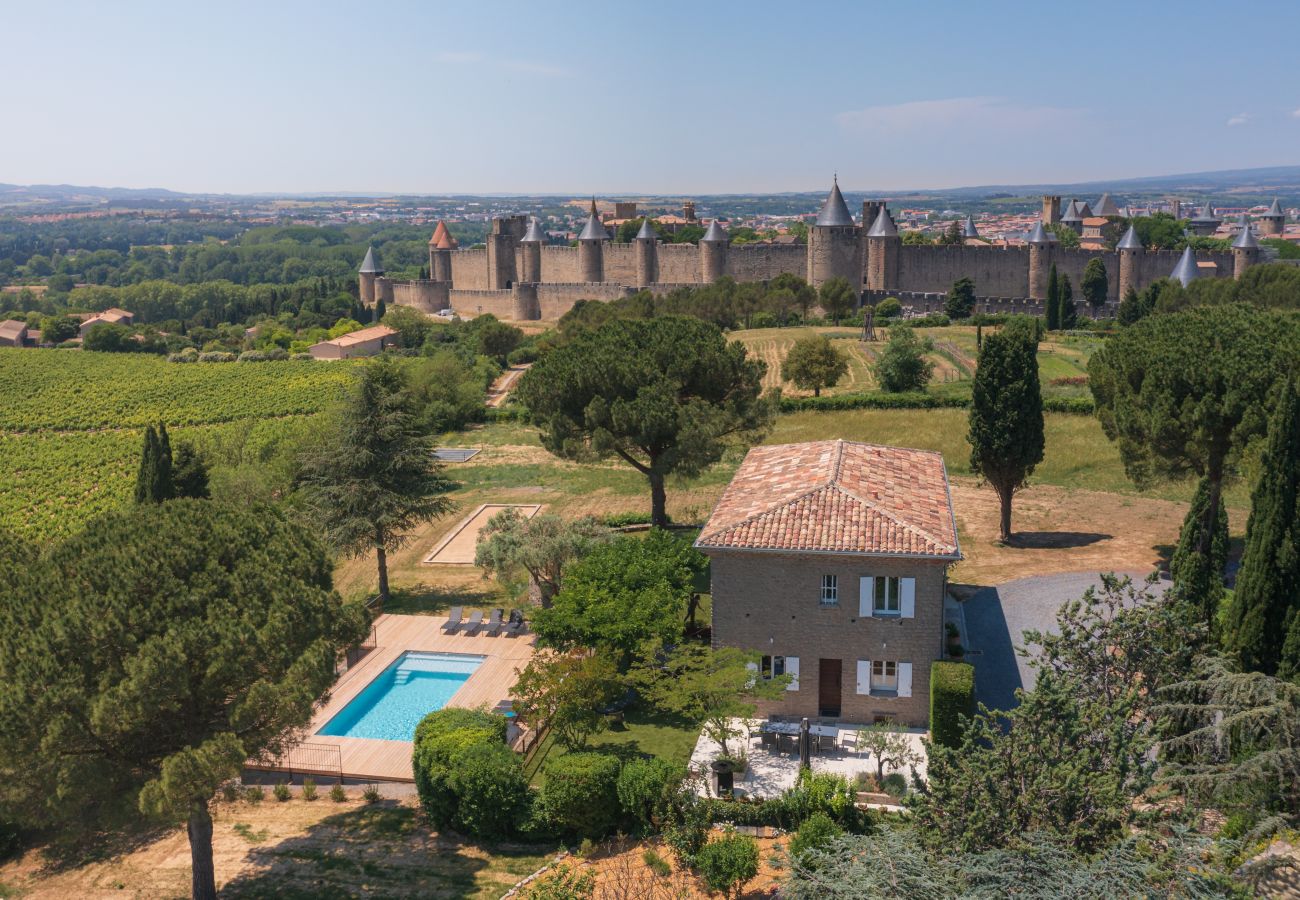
997 616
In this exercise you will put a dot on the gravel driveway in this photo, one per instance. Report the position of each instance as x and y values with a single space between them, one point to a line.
997 616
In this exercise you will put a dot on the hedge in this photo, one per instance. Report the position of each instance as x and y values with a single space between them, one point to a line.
580 794
825 794
917 400
952 696
440 738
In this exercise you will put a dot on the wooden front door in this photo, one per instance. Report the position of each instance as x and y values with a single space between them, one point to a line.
828 687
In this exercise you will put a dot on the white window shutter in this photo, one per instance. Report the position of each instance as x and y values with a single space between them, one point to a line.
905 679
864 676
907 597
792 669
866 595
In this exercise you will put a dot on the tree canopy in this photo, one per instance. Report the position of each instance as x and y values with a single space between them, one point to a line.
902 365
814 363
515 548
166 644
666 395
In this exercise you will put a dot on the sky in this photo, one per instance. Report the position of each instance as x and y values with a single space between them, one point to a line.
625 98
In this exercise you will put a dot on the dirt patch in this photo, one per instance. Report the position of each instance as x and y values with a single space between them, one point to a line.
459 546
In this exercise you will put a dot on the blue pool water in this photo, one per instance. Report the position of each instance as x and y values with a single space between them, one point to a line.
394 703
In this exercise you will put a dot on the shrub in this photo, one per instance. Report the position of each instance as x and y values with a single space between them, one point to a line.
728 862
814 834
216 356
337 794
686 823
894 784
441 736
371 794
656 863
889 308
255 794
189 354
902 366
10 839
522 355
645 787
276 354
580 794
230 792
308 789
252 356
933 320
619 520
830 795
301 356
952 697
281 792
564 883
491 790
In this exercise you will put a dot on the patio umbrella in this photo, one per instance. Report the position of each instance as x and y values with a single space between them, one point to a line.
805 761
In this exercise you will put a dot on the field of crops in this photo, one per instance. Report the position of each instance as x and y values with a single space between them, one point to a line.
68 390
70 423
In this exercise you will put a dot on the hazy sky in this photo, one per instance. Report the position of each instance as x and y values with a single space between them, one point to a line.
666 97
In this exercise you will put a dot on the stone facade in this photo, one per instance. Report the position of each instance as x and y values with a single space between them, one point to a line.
771 603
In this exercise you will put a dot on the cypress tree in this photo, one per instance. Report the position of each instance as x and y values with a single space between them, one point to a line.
147 473
380 309
1197 573
163 487
1066 316
1262 630
1006 413
1053 300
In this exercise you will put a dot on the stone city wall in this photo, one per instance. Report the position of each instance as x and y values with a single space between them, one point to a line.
470 303
554 300
763 262
469 269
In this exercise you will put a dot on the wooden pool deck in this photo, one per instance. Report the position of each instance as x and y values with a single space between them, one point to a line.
491 683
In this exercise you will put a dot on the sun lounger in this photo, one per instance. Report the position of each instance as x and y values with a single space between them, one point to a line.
516 625
493 626
473 622
453 620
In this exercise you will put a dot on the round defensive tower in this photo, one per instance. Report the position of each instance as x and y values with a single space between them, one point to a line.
1273 222
713 253
883 248
591 248
833 243
366 277
1041 244
1245 250
440 247
647 254
1130 252
530 247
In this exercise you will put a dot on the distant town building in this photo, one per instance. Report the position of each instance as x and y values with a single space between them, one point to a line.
366 342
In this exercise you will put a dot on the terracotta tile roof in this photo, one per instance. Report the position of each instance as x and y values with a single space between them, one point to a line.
442 239
837 497
12 329
360 337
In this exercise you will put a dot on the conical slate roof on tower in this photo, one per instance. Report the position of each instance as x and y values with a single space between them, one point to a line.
534 234
715 234
1106 207
1039 235
883 226
968 229
368 266
1206 214
835 211
1276 209
1245 238
594 230
1130 240
647 232
1185 272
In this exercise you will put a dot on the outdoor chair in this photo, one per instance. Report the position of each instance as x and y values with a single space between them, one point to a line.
516 625
453 620
493 626
849 741
788 743
826 743
475 620
767 739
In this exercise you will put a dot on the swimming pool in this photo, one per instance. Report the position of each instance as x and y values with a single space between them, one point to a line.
390 707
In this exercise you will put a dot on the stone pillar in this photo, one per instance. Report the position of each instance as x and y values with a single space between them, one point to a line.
527 307
440 264
532 261
591 261
1242 259
1040 268
713 260
647 261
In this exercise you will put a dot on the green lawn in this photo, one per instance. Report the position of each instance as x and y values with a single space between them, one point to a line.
642 734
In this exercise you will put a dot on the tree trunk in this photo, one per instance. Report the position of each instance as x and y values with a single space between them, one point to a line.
1211 520
203 881
1004 521
658 500
381 557
817 392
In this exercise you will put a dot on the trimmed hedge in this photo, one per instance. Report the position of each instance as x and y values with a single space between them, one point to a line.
440 739
952 696
580 794
645 788
1072 405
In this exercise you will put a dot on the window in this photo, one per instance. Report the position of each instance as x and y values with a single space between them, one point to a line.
772 666
887 594
830 590
884 676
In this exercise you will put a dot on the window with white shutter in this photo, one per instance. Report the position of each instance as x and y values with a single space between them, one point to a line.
905 679
792 669
864 676
907 597
866 595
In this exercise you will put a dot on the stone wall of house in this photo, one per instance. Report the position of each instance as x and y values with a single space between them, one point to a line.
770 603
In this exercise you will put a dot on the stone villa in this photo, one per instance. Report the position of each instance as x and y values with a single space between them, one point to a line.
830 558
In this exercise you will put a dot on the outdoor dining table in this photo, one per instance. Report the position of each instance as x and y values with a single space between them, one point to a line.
791 729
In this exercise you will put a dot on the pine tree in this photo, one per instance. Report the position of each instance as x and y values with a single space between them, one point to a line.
1066 316
1131 308
1053 300
189 473
1262 630
146 474
380 309
1198 575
